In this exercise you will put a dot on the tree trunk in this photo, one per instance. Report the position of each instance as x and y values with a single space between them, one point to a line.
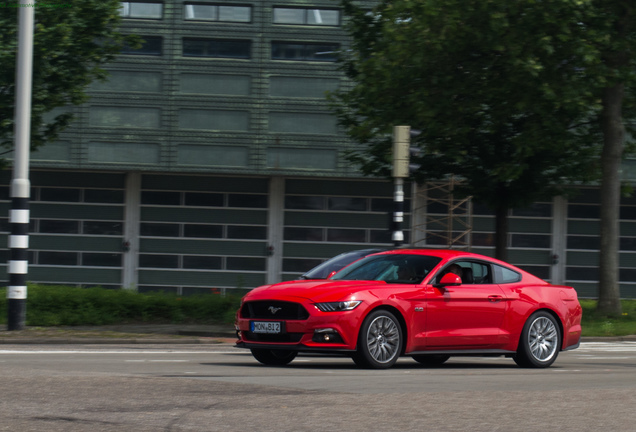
613 146
501 233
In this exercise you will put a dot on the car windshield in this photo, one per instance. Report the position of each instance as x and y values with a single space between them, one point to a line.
337 263
390 268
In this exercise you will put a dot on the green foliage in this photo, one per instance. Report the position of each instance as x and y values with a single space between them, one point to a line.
595 323
71 44
507 94
62 305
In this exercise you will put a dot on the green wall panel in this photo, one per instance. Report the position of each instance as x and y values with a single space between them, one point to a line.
210 247
206 279
75 275
525 257
340 220
208 184
203 215
75 243
76 211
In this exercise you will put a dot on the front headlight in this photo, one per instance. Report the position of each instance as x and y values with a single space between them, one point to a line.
338 306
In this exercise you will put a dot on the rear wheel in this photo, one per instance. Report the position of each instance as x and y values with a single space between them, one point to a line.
274 357
540 341
431 359
379 342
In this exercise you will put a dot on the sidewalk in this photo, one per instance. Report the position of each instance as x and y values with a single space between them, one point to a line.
122 334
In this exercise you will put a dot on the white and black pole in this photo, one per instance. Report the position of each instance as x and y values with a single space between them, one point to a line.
20 184
401 142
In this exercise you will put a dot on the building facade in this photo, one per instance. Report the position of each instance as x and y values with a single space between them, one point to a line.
210 161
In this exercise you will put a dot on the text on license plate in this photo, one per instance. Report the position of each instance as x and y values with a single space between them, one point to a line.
265 327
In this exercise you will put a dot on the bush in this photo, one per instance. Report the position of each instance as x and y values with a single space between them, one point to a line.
63 305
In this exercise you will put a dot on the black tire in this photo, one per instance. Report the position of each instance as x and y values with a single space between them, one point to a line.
431 359
274 357
379 341
540 341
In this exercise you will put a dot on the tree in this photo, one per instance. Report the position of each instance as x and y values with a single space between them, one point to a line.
71 44
508 95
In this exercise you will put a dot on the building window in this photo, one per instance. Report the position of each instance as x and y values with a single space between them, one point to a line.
220 48
301 51
150 45
141 10
302 16
218 12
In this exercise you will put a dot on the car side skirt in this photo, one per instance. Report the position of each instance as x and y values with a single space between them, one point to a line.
467 352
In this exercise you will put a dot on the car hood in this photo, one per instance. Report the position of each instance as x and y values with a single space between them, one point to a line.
316 290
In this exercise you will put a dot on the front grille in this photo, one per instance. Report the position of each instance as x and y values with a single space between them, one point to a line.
274 310
275 338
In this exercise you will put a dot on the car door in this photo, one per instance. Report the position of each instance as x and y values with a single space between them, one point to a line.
466 316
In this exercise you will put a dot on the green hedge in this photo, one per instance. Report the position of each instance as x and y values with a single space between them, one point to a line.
63 305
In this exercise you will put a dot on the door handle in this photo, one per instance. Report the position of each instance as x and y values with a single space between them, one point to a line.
495 298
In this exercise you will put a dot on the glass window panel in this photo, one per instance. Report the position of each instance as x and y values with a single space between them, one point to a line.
101 259
582 273
152 289
628 213
583 242
150 45
159 229
347 204
57 258
239 49
531 241
300 87
204 119
542 272
204 199
4 193
160 198
241 263
504 275
246 232
584 211
305 202
104 196
483 239
59 194
324 17
289 16
247 201
235 13
59 226
303 234
201 12
535 210
117 117
103 228
297 265
304 52
302 123
130 81
345 235
219 84
158 261
4 225
202 262
204 231
627 275
145 10
382 236
628 244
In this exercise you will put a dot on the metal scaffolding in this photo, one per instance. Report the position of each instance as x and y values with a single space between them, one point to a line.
438 218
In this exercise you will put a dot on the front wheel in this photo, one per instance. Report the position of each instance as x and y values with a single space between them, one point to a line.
274 357
540 341
379 341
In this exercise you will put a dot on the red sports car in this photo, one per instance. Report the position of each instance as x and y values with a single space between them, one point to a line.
427 304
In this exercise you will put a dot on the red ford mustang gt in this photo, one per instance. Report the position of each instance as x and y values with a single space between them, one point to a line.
427 304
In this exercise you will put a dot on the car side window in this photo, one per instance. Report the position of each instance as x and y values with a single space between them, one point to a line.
472 272
504 275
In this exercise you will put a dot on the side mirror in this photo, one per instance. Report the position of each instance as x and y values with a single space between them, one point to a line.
450 279
331 274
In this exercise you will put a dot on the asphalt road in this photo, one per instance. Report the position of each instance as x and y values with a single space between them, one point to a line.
221 388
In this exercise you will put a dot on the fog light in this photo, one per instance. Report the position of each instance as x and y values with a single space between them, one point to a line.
326 335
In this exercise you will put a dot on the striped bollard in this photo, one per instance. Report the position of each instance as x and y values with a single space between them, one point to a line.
19 261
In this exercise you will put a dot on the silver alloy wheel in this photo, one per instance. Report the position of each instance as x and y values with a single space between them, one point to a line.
543 339
383 339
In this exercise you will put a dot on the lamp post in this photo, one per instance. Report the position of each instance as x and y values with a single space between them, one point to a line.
20 184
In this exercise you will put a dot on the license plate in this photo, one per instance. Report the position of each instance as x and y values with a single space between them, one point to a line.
268 327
